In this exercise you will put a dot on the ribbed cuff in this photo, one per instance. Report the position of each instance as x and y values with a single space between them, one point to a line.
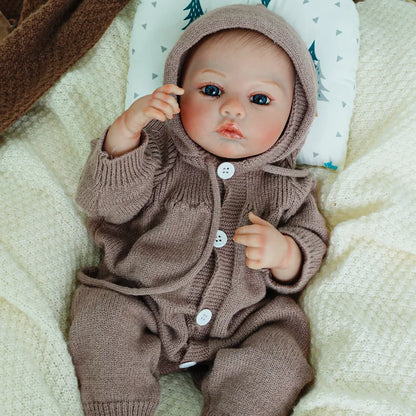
126 169
313 250
120 409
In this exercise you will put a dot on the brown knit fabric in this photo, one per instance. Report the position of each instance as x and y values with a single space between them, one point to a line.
49 38
5 26
11 9
165 293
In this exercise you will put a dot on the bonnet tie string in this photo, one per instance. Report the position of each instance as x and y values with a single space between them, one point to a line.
278 170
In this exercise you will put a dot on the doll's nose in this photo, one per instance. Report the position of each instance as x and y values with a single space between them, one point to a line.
232 107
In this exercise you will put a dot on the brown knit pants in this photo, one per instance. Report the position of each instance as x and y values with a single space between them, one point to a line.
116 355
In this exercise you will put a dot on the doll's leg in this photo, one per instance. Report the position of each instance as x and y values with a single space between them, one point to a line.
114 353
263 376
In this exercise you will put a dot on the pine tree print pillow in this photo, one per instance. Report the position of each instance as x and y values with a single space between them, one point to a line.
329 28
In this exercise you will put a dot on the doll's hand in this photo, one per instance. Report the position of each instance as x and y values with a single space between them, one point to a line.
269 248
161 105
124 133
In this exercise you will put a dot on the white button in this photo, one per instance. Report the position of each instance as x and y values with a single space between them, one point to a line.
187 365
225 170
220 239
203 317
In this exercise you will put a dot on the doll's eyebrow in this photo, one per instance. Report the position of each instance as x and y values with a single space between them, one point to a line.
212 71
274 83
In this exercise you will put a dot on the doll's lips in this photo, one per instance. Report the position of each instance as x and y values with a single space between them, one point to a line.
230 131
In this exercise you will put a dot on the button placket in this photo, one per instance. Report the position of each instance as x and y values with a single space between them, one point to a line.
225 170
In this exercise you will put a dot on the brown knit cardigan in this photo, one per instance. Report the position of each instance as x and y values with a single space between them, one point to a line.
133 201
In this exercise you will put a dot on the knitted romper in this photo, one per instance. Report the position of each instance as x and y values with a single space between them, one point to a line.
172 290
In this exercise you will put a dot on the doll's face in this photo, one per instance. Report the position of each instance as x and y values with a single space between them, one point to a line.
238 97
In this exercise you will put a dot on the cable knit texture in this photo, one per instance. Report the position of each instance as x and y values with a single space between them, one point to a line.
361 304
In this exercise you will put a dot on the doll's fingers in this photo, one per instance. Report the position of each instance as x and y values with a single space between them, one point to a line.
171 89
168 99
250 229
163 107
166 103
257 220
254 253
253 264
249 240
155 114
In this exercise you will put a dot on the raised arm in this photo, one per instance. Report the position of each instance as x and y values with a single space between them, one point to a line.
117 179
124 134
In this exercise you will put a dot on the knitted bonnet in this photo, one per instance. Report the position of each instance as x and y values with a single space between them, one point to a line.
260 19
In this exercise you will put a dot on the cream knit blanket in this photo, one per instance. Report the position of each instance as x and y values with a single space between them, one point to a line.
362 304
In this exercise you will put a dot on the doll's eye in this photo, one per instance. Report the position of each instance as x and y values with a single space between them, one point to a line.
260 99
211 90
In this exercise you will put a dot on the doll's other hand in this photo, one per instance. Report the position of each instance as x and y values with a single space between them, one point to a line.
269 248
266 246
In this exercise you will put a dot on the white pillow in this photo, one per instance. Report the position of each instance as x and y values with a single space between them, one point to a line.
329 28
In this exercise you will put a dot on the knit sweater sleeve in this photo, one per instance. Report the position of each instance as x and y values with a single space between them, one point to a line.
306 226
116 189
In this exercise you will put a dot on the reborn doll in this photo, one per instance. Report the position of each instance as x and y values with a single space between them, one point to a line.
206 227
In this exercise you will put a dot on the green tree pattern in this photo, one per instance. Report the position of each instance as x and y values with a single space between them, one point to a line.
195 11
317 63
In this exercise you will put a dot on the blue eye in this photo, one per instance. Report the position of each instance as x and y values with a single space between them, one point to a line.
260 99
211 90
